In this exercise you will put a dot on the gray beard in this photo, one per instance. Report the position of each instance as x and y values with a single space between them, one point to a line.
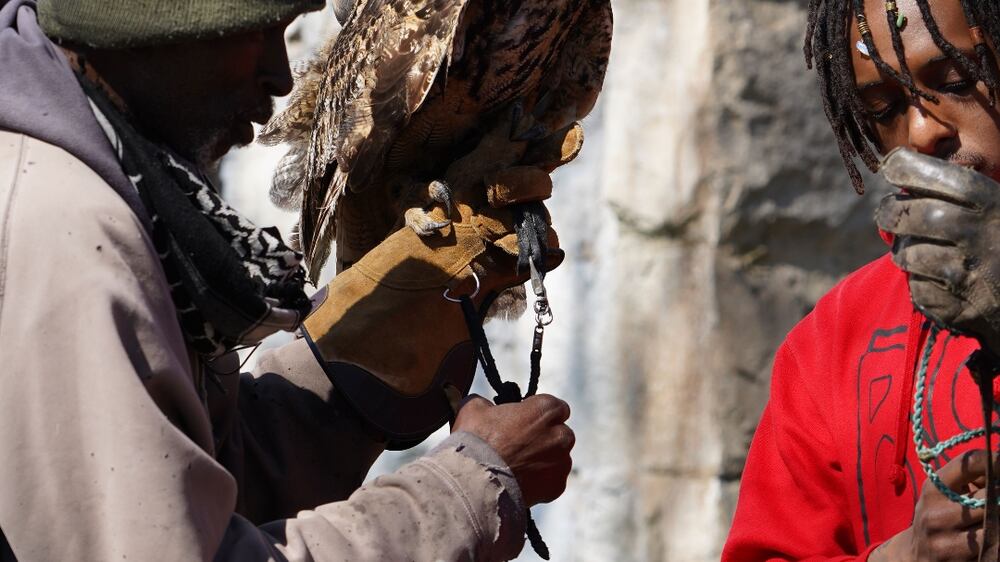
203 156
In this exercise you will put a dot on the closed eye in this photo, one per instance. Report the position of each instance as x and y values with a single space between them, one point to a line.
884 113
959 87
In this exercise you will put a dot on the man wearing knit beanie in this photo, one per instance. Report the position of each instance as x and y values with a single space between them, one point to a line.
195 72
126 281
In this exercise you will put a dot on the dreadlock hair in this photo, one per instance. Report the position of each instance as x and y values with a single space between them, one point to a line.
828 49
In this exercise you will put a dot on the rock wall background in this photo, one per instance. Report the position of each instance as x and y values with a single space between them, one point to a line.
707 214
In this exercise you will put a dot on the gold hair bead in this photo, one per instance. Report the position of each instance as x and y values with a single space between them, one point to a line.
863 28
891 8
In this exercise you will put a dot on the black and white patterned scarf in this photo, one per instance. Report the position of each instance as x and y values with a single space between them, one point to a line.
232 283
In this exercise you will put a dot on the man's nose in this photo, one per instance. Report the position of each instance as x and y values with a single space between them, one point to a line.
275 76
929 131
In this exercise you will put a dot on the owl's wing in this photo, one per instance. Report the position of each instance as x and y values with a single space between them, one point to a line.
582 65
293 126
374 75
402 45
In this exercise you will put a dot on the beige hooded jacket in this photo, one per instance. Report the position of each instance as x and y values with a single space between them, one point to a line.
115 448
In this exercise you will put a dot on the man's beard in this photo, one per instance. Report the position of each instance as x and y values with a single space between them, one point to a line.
209 144
205 155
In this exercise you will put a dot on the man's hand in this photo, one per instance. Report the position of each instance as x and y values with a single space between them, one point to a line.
947 229
942 529
531 437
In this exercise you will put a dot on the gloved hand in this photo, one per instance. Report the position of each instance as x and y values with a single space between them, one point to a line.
946 225
386 334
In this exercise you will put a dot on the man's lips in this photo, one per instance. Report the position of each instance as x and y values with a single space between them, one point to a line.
245 124
262 113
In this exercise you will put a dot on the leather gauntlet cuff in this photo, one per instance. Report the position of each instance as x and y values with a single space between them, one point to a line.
404 420
388 338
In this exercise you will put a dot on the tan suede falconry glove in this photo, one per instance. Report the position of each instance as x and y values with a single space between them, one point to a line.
388 330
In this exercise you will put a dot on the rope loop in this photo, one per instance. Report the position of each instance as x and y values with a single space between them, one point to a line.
928 452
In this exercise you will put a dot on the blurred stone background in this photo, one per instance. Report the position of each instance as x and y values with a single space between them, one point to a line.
707 214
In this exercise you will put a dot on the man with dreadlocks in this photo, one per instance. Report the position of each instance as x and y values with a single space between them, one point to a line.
833 473
126 430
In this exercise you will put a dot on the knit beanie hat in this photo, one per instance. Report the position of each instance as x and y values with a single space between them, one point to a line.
113 24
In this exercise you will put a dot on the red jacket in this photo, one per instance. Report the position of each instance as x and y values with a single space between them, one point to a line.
832 471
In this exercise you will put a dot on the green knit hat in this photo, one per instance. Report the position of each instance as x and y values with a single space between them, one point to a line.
113 24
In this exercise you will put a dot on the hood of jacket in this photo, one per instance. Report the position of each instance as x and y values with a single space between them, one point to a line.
40 97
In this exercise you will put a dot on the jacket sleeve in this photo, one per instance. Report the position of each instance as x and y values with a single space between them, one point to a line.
288 437
460 502
294 444
792 504
107 446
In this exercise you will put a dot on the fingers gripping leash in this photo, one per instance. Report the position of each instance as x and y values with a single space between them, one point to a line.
984 367
508 391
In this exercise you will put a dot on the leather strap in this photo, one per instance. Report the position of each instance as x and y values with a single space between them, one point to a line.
984 367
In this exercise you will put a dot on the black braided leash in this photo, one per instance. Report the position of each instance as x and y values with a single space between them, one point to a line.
984 367
508 392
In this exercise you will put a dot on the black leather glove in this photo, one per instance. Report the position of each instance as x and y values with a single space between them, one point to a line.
946 224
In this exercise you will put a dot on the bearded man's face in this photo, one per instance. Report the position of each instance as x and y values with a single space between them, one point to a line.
962 126
201 98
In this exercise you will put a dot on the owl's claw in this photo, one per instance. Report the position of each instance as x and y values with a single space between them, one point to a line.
535 132
523 126
422 223
532 228
516 116
420 220
439 192
543 103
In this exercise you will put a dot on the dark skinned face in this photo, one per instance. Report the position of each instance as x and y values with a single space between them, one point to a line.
961 127
200 98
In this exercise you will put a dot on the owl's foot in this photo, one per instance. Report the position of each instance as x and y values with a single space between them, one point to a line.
532 228
524 126
419 218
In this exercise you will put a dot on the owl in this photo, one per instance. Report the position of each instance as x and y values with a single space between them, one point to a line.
406 88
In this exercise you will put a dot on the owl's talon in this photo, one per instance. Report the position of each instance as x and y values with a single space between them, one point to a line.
516 115
532 230
420 221
536 132
543 104
440 192
523 126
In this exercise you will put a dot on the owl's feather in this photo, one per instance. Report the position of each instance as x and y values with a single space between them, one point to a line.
348 106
